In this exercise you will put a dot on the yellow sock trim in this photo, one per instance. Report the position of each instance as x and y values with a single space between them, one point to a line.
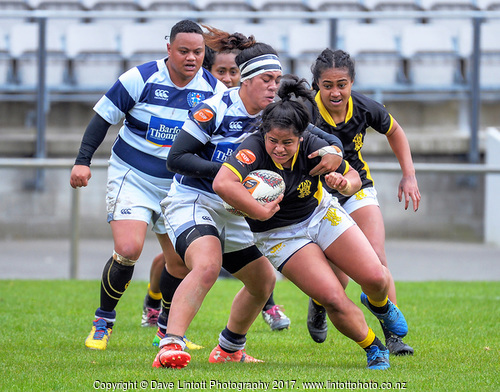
368 340
378 304
316 302
153 294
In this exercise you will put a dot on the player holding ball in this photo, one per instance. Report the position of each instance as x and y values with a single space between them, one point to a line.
310 227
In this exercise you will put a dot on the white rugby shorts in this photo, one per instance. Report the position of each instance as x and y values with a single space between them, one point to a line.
363 197
323 227
130 196
186 207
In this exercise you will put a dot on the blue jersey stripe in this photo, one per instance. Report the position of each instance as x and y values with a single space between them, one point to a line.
141 161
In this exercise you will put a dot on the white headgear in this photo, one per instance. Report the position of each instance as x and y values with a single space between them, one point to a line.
258 65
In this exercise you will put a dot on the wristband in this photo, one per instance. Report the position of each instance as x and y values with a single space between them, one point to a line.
330 150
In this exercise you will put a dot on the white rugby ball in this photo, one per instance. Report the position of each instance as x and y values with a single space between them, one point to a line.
264 185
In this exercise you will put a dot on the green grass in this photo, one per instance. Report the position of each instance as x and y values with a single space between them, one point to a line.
454 328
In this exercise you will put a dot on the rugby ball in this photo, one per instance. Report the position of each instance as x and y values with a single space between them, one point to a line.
264 185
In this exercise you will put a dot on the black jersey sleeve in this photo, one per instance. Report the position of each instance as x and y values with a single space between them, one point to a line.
332 140
182 158
250 155
92 138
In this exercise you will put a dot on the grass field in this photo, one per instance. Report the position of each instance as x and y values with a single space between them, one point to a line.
454 328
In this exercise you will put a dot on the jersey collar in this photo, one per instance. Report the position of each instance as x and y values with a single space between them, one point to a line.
279 166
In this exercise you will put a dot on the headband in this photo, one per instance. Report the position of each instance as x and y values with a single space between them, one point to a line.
258 65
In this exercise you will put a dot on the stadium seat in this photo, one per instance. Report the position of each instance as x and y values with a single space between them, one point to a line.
168 5
95 59
453 24
227 24
222 5
24 49
445 5
431 56
375 50
488 5
143 42
336 5
114 5
340 6
275 9
306 42
278 39
392 5
59 5
13 5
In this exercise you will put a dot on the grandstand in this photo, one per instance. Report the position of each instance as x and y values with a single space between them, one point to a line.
416 56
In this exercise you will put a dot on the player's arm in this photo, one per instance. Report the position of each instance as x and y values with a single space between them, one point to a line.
227 184
408 185
183 158
92 138
331 156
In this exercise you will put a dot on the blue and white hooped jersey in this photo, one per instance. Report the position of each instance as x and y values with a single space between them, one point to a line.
154 110
221 123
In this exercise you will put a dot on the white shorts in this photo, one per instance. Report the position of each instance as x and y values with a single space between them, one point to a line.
323 227
364 197
185 207
130 196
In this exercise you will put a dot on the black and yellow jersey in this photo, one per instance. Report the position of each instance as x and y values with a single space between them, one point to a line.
362 112
303 192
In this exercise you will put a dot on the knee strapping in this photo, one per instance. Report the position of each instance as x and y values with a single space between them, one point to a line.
123 260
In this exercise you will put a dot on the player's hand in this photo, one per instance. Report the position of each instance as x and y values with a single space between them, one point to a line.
329 163
337 181
80 176
269 209
409 188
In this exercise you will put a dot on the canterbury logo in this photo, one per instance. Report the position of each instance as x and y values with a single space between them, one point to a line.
235 126
126 211
161 94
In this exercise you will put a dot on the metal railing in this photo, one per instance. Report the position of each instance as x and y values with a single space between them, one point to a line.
45 163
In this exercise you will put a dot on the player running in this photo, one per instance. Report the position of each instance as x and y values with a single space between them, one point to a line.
347 114
152 99
310 228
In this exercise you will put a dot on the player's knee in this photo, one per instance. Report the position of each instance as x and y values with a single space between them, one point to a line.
334 301
128 262
377 280
267 281
209 274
